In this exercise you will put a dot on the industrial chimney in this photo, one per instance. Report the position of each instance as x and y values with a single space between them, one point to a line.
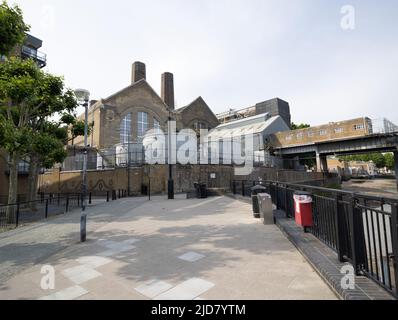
138 72
168 89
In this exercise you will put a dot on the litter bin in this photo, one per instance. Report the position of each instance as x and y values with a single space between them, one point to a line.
266 208
201 190
255 191
303 209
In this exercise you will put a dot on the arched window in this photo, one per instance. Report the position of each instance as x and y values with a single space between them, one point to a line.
156 124
125 129
142 125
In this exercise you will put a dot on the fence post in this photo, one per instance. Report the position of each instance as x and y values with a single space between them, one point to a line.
357 237
286 201
337 221
17 217
89 198
107 196
67 203
58 199
46 214
394 240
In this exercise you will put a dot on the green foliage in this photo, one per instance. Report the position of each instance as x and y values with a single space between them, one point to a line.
48 148
299 126
28 98
12 28
379 159
389 159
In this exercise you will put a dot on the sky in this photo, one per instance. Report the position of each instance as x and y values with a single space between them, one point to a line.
232 53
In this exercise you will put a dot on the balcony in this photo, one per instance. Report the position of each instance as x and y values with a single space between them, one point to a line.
39 57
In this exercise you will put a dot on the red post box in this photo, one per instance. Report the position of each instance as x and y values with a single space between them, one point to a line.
303 209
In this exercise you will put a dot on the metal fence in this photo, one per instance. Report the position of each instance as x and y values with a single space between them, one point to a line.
49 205
361 229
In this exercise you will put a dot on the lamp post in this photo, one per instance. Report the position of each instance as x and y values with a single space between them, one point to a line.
170 183
83 97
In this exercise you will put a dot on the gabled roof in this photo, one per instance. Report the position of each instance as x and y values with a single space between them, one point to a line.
140 83
199 100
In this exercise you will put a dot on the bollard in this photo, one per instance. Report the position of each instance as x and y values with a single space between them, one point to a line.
67 203
107 196
17 217
89 198
46 214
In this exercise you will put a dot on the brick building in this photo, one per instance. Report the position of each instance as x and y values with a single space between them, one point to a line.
124 118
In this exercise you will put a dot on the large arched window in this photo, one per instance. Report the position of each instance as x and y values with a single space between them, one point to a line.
156 125
142 125
125 129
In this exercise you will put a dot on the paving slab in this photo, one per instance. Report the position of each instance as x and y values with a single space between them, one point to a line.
134 250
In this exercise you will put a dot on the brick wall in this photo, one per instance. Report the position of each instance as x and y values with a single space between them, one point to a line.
332 131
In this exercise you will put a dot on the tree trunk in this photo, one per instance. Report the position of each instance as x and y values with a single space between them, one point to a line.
32 181
12 188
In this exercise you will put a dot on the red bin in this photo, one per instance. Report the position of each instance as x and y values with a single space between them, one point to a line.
303 209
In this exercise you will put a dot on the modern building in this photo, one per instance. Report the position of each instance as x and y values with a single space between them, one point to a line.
274 107
327 132
259 127
30 50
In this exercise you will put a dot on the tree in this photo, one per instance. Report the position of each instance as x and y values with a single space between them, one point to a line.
12 28
299 126
28 98
389 159
46 149
377 158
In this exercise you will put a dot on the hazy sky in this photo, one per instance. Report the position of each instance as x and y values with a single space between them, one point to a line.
232 53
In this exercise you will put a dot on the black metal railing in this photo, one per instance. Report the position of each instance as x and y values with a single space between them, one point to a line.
49 205
361 229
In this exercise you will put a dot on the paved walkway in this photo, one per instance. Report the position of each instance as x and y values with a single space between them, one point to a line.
181 249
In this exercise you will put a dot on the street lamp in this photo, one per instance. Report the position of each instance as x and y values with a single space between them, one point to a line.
83 97
170 182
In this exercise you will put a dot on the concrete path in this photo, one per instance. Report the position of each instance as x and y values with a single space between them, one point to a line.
182 249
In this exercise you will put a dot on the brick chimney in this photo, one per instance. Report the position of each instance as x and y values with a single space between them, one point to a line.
168 89
138 72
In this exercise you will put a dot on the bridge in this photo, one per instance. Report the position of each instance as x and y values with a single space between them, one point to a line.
364 140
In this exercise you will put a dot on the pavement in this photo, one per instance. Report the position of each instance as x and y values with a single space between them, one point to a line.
160 249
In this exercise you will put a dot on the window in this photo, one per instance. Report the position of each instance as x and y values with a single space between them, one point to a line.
323 132
125 129
199 125
142 125
156 125
310 134
299 136
338 130
288 138
359 127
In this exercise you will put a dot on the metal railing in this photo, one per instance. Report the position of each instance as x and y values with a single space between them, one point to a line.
361 229
49 205
34 54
